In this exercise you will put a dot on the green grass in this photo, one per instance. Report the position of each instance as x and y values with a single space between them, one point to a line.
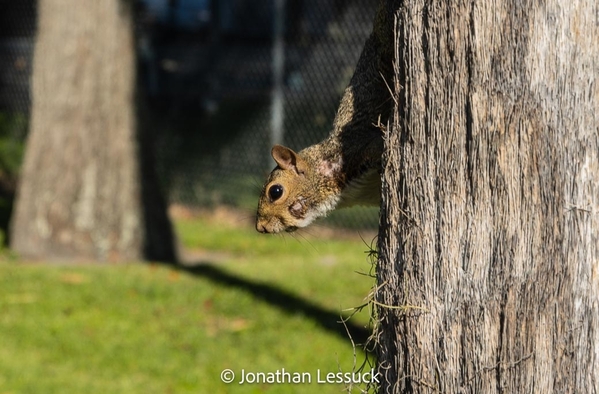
264 304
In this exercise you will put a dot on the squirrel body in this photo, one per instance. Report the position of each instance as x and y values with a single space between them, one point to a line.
344 169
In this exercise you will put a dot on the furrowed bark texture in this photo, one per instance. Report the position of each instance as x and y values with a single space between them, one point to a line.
81 184
489 243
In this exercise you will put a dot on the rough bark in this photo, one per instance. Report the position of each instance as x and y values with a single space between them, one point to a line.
489 243
81 193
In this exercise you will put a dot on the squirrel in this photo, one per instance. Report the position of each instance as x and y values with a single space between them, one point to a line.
344 169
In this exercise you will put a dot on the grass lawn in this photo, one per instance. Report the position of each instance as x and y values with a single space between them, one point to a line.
251 302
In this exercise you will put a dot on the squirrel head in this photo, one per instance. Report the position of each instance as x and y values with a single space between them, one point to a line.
295 193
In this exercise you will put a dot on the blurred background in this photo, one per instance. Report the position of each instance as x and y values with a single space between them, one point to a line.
220 82
223 80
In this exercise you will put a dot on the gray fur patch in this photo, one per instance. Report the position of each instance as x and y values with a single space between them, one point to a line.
330 168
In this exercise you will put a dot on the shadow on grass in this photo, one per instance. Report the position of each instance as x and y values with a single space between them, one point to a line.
286 301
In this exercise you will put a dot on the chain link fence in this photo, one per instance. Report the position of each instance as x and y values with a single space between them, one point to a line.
17 31
220 82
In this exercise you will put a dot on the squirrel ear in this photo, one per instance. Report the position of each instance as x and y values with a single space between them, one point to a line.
286 158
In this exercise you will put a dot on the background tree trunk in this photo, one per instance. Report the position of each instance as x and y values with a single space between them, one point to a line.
489 243
82 189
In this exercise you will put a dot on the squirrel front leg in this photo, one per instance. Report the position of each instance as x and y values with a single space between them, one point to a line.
344 169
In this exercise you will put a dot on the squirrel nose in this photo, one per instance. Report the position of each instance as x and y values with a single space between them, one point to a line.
261 228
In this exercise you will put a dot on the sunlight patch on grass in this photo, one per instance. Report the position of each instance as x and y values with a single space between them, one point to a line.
147 328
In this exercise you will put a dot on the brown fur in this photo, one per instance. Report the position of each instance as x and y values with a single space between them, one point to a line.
343 169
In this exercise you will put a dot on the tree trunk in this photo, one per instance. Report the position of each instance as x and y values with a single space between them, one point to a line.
488 270
81 193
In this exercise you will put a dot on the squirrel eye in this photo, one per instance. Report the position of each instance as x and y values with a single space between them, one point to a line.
275 192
